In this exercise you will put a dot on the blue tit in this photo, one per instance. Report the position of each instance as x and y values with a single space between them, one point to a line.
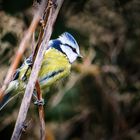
56 64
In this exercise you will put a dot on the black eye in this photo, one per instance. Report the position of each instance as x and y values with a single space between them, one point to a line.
73 49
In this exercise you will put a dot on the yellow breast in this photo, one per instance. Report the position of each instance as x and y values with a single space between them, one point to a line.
55 66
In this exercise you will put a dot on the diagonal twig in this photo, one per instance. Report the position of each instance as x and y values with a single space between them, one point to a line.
34 74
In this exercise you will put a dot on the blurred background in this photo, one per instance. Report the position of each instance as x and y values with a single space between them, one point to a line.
100 99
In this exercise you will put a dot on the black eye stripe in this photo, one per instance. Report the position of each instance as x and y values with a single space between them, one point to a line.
73 49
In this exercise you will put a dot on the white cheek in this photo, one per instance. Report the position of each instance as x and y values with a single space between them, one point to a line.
72 57
70 54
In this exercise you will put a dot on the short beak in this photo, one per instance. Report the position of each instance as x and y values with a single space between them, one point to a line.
80 56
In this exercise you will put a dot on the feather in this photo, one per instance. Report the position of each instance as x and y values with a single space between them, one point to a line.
67 38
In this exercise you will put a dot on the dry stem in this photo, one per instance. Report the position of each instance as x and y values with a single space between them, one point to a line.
45 17
34 74
41 112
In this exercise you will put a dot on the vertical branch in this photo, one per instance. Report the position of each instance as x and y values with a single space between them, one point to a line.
34 74
41 112
39 93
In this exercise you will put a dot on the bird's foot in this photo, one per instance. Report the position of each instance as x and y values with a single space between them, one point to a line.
39 102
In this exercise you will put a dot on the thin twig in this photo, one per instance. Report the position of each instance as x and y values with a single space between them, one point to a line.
34 74
41 112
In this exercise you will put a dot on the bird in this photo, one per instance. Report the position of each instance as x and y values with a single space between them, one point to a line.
57 60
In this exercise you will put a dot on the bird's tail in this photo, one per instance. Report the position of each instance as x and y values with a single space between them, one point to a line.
9 94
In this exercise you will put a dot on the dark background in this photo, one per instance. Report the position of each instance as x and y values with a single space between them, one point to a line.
100 99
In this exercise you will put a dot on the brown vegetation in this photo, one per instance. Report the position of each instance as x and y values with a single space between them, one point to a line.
100 99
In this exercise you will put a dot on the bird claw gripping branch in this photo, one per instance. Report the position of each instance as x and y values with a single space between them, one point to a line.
39 102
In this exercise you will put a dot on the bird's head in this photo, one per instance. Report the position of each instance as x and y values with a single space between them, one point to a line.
69 46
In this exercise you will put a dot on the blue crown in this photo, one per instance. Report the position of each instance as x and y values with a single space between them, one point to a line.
68 39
